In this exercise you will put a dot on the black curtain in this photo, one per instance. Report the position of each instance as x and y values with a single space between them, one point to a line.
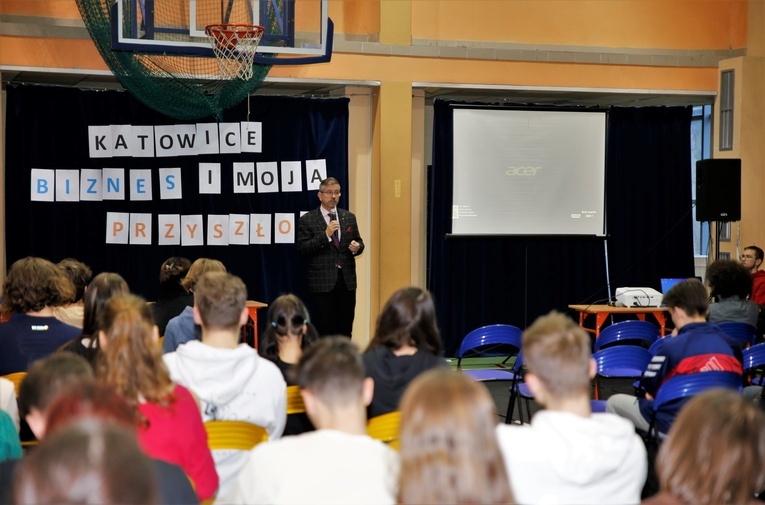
486 280
47 128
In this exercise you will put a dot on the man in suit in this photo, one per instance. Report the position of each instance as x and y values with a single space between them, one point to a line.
329 240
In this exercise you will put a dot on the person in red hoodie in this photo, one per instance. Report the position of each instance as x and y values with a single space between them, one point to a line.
752 259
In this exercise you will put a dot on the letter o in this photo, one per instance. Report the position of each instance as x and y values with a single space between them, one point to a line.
263 178
162 141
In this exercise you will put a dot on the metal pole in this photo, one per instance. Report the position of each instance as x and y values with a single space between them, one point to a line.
608 275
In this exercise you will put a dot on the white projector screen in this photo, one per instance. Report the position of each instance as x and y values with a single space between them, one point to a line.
529 172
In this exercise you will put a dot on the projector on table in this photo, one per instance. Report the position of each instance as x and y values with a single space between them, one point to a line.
638 297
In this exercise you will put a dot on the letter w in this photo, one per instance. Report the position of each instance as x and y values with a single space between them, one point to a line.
186 140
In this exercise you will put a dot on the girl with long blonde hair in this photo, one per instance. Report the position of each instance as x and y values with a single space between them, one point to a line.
448 446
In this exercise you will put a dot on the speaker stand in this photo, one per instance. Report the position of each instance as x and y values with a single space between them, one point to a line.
718 230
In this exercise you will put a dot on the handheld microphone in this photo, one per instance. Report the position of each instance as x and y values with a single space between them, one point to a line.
334 218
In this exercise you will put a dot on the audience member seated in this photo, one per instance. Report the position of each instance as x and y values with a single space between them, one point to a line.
730 284
79 275
568 454
131 362
10 445
99 401
752 260
697 347
337 464
172 297
406 343
714 453
448 446
8 403
61 388
31 289
181 328
101 289
230 380
288 333
88 462
45 380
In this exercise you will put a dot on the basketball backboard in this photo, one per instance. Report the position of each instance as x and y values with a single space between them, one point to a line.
298 31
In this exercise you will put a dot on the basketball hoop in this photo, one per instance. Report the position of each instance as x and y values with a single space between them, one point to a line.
234 47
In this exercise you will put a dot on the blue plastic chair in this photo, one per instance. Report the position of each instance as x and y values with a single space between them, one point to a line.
655 346
628 332
519 389
490 340
652 351
754 361
686 386
620 362
744 333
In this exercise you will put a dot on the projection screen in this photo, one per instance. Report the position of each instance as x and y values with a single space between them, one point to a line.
528 172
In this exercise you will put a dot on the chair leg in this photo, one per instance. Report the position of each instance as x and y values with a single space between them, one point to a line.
510 405
520 411
528 410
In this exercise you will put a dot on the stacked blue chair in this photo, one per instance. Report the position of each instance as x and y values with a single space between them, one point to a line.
640 333
686 386
620 362
652 351
496 339
744 333
754 363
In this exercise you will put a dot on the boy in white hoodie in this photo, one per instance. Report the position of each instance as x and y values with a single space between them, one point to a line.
569 455
231 381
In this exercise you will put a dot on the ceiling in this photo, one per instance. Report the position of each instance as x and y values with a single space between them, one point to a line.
485 94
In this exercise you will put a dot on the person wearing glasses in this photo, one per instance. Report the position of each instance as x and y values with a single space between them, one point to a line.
752 259
329 240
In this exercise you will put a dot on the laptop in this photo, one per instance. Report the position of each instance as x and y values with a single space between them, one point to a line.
667 283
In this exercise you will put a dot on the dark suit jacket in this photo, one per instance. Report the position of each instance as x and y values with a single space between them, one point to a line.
322 255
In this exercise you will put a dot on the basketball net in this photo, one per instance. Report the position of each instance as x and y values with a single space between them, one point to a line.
234 47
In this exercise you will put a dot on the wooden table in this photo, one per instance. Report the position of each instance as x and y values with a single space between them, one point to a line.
603 311
252 310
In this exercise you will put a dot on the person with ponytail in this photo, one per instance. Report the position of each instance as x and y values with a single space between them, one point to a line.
101 289
170 424
288 333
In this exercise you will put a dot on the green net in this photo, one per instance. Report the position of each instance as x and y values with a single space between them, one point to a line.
182 87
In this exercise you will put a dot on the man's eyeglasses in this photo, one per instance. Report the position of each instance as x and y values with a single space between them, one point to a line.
330 193
746 257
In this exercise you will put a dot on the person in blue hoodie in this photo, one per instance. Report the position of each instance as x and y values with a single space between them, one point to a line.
697 347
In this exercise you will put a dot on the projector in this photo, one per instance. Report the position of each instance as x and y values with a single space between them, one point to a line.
638 297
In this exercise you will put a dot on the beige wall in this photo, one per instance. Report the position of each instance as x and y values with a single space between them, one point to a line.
632 45
748 134
669 24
